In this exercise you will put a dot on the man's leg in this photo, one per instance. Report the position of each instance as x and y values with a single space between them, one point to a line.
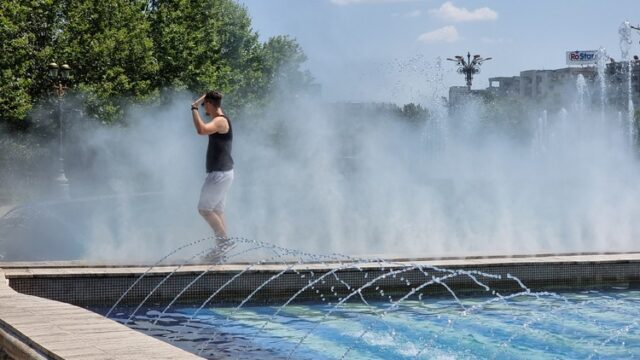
221 216
215 221
221 246
212 196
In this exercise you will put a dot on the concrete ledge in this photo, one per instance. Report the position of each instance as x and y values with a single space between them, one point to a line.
103 285
37 328
13 348
11 345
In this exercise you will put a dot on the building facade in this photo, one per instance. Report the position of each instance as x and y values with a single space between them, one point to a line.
559 88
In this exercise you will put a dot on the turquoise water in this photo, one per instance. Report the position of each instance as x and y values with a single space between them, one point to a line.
577 325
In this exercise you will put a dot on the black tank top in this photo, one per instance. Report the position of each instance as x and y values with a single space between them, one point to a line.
219 151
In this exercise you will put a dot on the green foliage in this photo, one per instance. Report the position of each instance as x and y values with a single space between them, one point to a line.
210 45
202 45
129 51
27 31
109 47
284 58
414 112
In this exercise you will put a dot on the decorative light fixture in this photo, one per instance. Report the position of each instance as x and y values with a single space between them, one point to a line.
469 67
53 70
66 71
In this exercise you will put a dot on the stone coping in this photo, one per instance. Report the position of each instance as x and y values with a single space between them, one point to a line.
60 269
35 328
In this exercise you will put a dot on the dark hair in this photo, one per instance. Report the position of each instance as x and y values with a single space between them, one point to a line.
213 97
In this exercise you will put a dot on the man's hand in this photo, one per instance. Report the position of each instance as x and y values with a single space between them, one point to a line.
198 102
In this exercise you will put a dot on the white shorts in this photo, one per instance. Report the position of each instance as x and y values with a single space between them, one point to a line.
214 190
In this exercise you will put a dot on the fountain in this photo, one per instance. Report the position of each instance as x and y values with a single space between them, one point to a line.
426 312
542 131
602 79
490 181
282 303
625 44
582 95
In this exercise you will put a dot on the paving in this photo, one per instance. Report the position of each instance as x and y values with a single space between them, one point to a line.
33 327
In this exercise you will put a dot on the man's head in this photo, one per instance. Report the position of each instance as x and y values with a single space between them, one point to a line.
212 101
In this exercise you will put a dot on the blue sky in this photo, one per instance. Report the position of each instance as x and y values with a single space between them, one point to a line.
386 50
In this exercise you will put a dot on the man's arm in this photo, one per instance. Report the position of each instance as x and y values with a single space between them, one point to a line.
197 121
218 125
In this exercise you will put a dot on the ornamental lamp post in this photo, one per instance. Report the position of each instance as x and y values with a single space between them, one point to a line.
468 67
60 78
635 27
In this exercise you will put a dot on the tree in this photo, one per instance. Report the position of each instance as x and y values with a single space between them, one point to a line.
414 112
108 45
211 45
128 51
28 30
284 58
202 45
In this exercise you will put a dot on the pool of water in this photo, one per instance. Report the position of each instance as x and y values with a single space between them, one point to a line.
601 324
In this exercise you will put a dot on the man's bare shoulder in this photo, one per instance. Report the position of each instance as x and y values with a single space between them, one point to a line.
221 124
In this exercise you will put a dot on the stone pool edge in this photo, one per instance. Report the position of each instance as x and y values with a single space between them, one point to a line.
103 284
36 328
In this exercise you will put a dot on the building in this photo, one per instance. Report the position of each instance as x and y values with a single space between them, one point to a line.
557 88
460 95
618 83
505 86
541 85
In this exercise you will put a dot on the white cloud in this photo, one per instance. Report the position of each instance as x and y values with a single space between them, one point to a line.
354 2
450 12
444 34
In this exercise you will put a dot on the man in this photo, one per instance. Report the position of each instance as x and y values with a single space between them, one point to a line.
219 167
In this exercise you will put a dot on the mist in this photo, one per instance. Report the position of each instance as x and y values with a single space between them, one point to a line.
451 186
344 178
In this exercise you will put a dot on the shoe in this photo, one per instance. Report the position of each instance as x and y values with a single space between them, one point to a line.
218 254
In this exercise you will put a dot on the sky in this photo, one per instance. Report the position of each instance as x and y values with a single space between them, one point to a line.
387 50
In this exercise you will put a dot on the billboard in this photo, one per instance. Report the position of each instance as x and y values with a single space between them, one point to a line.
582 57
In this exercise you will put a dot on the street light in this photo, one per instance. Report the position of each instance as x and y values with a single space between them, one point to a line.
469 67
60 77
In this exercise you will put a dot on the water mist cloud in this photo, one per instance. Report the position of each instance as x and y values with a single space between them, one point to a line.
332 177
